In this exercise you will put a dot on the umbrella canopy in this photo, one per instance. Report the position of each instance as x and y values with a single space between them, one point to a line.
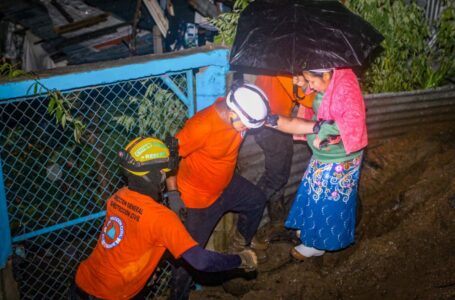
289 36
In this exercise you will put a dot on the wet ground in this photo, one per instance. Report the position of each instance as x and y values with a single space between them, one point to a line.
405 245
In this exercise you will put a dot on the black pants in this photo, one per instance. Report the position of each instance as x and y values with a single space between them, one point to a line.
239 196
278 150
76 293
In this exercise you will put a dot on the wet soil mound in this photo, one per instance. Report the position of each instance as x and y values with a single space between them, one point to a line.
405 245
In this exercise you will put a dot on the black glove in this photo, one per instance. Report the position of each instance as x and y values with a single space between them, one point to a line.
317 126
176 204
272 120
173 145
249 260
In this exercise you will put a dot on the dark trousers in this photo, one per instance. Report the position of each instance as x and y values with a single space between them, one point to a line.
76 293
239 196
278 150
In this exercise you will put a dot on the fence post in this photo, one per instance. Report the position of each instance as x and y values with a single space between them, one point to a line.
5 233
210 84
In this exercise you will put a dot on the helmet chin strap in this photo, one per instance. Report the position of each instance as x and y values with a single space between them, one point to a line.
234 120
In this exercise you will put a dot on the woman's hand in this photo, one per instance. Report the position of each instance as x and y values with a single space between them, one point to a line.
330 140
317 142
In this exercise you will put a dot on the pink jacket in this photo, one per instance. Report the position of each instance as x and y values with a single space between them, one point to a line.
343 103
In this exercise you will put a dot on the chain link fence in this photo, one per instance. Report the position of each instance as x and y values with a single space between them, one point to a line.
56 188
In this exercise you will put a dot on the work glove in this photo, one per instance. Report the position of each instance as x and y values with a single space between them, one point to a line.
176 204
173 145
317 126
272 120
249 260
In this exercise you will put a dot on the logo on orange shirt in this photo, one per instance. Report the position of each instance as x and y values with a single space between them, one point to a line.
112 233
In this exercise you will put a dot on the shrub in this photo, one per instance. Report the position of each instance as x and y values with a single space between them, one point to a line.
414 55
409 60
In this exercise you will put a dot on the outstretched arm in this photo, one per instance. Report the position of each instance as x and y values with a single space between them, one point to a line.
292 125
210 261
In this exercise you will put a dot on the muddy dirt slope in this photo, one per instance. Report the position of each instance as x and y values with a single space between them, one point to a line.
405 245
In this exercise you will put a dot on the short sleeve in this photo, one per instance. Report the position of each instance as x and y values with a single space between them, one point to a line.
170 232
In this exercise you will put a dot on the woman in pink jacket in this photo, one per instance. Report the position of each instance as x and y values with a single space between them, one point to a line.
324 209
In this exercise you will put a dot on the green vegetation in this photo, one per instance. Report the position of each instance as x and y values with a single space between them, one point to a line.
410 59
158 112
227 23
58 106
9 71
414 55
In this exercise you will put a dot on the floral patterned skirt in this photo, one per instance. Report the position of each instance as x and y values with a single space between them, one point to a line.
324 208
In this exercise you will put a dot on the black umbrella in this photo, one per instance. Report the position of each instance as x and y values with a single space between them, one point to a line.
289 36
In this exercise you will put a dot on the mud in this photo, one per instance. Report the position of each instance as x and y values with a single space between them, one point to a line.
405 239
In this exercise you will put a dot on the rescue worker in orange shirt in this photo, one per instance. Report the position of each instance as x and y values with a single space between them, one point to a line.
208 145
138 229
283 92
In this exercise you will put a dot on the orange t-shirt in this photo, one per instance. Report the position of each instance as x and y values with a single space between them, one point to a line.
136 232
209 148
279 90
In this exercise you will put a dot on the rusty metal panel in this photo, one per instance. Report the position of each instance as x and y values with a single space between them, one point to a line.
251 164
392 114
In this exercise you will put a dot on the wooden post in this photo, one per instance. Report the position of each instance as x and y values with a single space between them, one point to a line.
137 16
205 8
158 15
8 285
157 40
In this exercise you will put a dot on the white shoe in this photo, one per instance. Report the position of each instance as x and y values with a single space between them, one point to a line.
308 251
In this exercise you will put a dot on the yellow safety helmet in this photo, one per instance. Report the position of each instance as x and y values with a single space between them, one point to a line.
145 154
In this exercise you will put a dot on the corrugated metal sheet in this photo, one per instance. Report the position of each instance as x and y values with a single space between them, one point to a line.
392 114
433 9
388 114
251 164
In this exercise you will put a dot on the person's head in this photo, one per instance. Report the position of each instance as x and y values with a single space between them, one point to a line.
318 80
248 106
145 161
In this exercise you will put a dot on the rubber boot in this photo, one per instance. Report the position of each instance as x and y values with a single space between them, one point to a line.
275 230
275 210
238 244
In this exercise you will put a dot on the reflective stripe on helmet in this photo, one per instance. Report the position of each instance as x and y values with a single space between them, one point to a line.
145 154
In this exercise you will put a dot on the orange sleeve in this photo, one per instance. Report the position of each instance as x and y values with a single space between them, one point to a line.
193 135
173 235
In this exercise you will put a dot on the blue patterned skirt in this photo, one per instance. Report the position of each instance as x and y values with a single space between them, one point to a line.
324 208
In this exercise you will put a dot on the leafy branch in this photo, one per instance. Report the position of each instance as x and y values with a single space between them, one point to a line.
157 112
226 23
10 71
413 57
60 108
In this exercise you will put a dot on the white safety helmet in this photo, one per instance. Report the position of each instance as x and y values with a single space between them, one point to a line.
250 103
